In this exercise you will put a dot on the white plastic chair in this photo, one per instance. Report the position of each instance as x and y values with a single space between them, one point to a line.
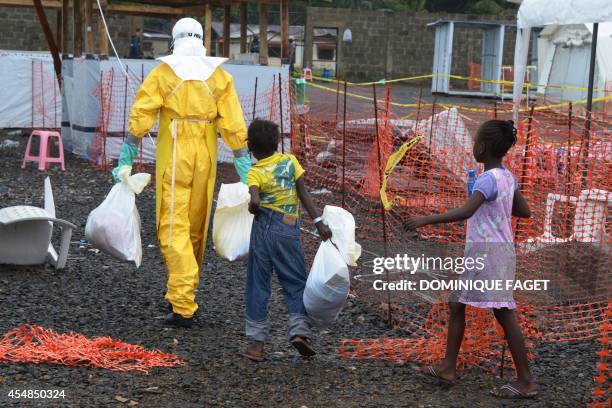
589 220
25 234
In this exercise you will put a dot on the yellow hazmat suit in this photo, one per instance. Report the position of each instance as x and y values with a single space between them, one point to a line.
196 109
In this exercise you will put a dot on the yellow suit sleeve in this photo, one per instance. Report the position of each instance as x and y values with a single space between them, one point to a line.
146 105
230 121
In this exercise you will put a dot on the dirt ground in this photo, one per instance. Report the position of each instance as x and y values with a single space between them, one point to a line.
98 296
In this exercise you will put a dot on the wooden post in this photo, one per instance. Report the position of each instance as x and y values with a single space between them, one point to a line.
208 28
65 25
284 16
263 33
226 31
89 35
58 30
102 36
243 27
42 18
77 10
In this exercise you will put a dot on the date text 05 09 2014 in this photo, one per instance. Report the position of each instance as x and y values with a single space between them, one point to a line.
36 394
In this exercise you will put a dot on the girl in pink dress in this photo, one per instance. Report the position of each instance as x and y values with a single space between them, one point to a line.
489 210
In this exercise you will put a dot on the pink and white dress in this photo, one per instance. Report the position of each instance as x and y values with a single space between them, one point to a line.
489 236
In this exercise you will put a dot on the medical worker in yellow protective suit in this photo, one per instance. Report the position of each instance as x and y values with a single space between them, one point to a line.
194 98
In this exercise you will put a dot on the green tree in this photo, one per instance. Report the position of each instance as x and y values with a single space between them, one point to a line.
416 5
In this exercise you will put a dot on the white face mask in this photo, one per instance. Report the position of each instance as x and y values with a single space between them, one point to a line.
189 47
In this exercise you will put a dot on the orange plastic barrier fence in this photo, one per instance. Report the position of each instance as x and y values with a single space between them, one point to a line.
563 170
37 345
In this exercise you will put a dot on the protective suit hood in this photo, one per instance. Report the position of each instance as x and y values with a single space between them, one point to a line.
188 59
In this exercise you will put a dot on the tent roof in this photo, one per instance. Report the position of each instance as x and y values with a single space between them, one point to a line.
534 13
471 24
604 44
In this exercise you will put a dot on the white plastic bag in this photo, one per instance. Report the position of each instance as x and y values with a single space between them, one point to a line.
114 226
327 286
342 225
328 283
232 223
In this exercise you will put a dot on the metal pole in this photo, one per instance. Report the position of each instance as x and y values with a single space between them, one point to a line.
418 115
102 126
33 95
255 98
337 99
525 161
589 105
568 165
344 150
433 113
127 73
280 104
42 94
383 215
501 368
55 104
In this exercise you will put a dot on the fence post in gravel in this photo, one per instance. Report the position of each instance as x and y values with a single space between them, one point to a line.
344 149
383 216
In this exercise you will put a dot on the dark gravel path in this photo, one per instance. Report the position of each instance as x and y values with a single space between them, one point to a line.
97 296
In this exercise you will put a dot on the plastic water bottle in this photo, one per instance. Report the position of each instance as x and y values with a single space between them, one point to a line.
471 181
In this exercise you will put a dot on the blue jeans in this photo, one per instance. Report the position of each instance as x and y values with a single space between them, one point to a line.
275 245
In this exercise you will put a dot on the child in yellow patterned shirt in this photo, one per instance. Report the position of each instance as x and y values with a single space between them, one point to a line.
276 184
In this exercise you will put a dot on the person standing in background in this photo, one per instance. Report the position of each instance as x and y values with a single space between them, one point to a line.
254 45
135 45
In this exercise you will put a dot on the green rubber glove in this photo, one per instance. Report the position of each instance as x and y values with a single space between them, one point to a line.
128 154
243 165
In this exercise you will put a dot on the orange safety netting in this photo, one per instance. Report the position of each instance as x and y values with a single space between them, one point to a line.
483 344
562 161
602 394
563 170
46 97
37 345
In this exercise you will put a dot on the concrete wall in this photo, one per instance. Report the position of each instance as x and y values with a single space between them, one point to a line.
20 30
393 45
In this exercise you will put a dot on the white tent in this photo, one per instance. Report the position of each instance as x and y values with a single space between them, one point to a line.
564 57
536 13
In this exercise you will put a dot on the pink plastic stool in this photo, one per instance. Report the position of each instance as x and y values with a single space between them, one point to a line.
44 152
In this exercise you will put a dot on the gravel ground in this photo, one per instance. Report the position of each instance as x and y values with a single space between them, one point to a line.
97 296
